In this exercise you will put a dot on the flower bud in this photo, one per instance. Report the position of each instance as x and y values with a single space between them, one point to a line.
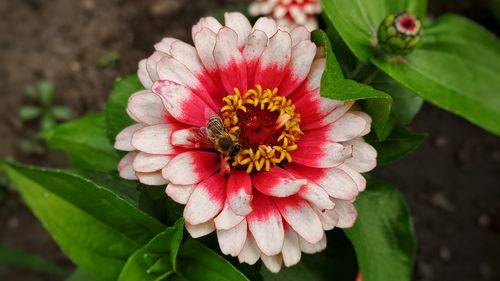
399 34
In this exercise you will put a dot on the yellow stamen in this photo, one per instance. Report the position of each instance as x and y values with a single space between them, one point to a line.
288 121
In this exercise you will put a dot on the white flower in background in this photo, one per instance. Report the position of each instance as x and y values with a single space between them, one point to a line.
236 129
288 12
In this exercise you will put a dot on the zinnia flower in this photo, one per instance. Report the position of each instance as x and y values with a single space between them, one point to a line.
236 129
288 12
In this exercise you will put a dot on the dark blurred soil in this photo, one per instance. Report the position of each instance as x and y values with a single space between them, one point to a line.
451 183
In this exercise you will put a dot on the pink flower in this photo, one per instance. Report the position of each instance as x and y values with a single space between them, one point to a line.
288 12
236 129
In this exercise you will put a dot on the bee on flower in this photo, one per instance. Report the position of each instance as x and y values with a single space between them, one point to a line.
288 12
234 126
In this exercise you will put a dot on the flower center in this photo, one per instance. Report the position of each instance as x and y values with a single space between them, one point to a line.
407 24
264 124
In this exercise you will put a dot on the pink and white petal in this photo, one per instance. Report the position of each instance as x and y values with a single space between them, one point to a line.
147 108
125 168
266 225
364 156
240 24
152 63
182 103
301 217
291 248
320 154
329 218
173 70
153 139
250 252
207 200
272 263
187 55
200 230
368 120
165 45
207 22
333 181
315 74
231 241
355 176
329 118
257 42
300 64
299 34
227 219
190 138
276 57
180 193
204 41
346 213
267 25
147 163
277 182
239 192
191 167
123 140
347 127
312 248
154 178
143 74
230 61
316 196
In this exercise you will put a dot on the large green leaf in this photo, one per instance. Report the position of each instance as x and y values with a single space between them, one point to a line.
80 275
383 236
456 68
399 143
116 114
97 229
85 142
157 259
334 86
199 263
405 104
28 261
358 20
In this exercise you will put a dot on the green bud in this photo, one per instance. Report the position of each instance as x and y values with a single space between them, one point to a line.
399 34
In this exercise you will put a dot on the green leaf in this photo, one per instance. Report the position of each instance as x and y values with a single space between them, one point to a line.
29 112
61 112
165 244
116 108
80 275
29 261
405 104
85 142
97 229
456 68
398 144
196 262
47 122
357 20
337 262
334 86
383 235
46 92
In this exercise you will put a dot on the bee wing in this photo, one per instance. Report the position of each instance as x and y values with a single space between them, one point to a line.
205 136
215 127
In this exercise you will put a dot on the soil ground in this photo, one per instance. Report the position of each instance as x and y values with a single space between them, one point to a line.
451 182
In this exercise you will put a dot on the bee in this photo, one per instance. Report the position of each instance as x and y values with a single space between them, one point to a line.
225 143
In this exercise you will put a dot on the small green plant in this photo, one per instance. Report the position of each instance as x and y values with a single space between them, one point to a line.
108 59
41 96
